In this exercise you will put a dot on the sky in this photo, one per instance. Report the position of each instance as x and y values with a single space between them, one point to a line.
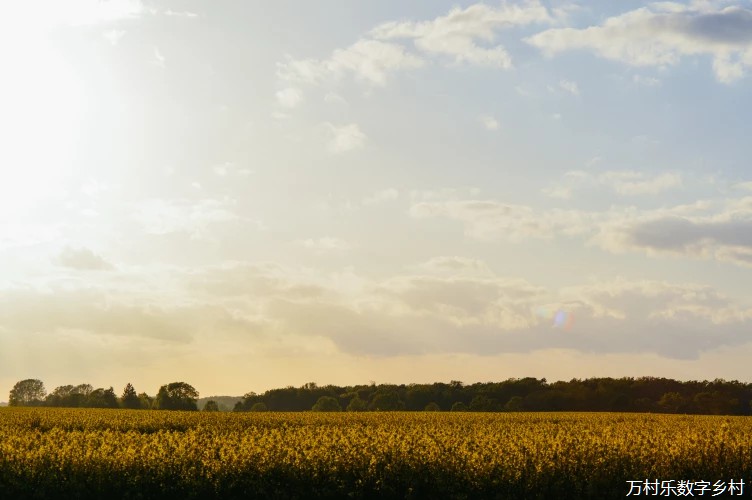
246 195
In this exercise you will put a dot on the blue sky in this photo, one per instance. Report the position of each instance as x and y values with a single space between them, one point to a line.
249 195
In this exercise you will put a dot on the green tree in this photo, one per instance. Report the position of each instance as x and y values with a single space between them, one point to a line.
29 392
672 402
147 402
459 406
514 404
101 398
177 396
61 396
386 401
211 405
129 399
432 406
327 403
357 404
260 406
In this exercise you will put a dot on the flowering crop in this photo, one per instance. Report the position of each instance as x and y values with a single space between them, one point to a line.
87 453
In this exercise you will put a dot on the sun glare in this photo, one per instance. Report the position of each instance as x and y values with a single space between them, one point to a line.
41 100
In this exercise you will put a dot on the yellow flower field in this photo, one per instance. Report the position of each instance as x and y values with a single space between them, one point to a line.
86 453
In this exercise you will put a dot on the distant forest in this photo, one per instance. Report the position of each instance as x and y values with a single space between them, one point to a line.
644 394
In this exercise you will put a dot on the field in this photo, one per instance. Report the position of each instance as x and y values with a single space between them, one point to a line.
71 453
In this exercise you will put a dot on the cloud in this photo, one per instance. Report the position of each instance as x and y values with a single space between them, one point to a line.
344 138
456 35
622 182
370 61
488 219
114 36
725 235
381 196
158 216
646 81
82 259
489 122
50 13
289 97
454 304
662 34
187 14
326 244
720 230
159 59
463 36
569 86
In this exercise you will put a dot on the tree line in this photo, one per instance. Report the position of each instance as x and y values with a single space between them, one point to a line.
173 396
644 394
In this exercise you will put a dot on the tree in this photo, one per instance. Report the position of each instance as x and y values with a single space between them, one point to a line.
177 396
211 405
514 404
29 392
459 406
260 406
101 398
146 401
327 403
357 404
61 396
386 401
432 406
672 402
129 399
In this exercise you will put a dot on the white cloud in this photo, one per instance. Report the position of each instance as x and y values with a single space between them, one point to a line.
344 138
456 34
114 36
159 59
622 182
486 219
289 97
186 14
637 183
489 122
82 259
158 216
368 60
661 34
646 81
569 86
381 196
49 13
334 98
326 244
462 35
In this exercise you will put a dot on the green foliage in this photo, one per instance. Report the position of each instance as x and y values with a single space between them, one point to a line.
514 404
459 406
388 401
29 392
129 399
177 396
259 407
211 405
357 404
327 403
432 406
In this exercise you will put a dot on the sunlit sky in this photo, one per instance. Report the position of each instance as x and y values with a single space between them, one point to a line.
249 195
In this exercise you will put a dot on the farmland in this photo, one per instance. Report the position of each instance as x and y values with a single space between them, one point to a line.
89 453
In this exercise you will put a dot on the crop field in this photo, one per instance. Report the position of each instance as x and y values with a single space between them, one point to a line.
85 453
